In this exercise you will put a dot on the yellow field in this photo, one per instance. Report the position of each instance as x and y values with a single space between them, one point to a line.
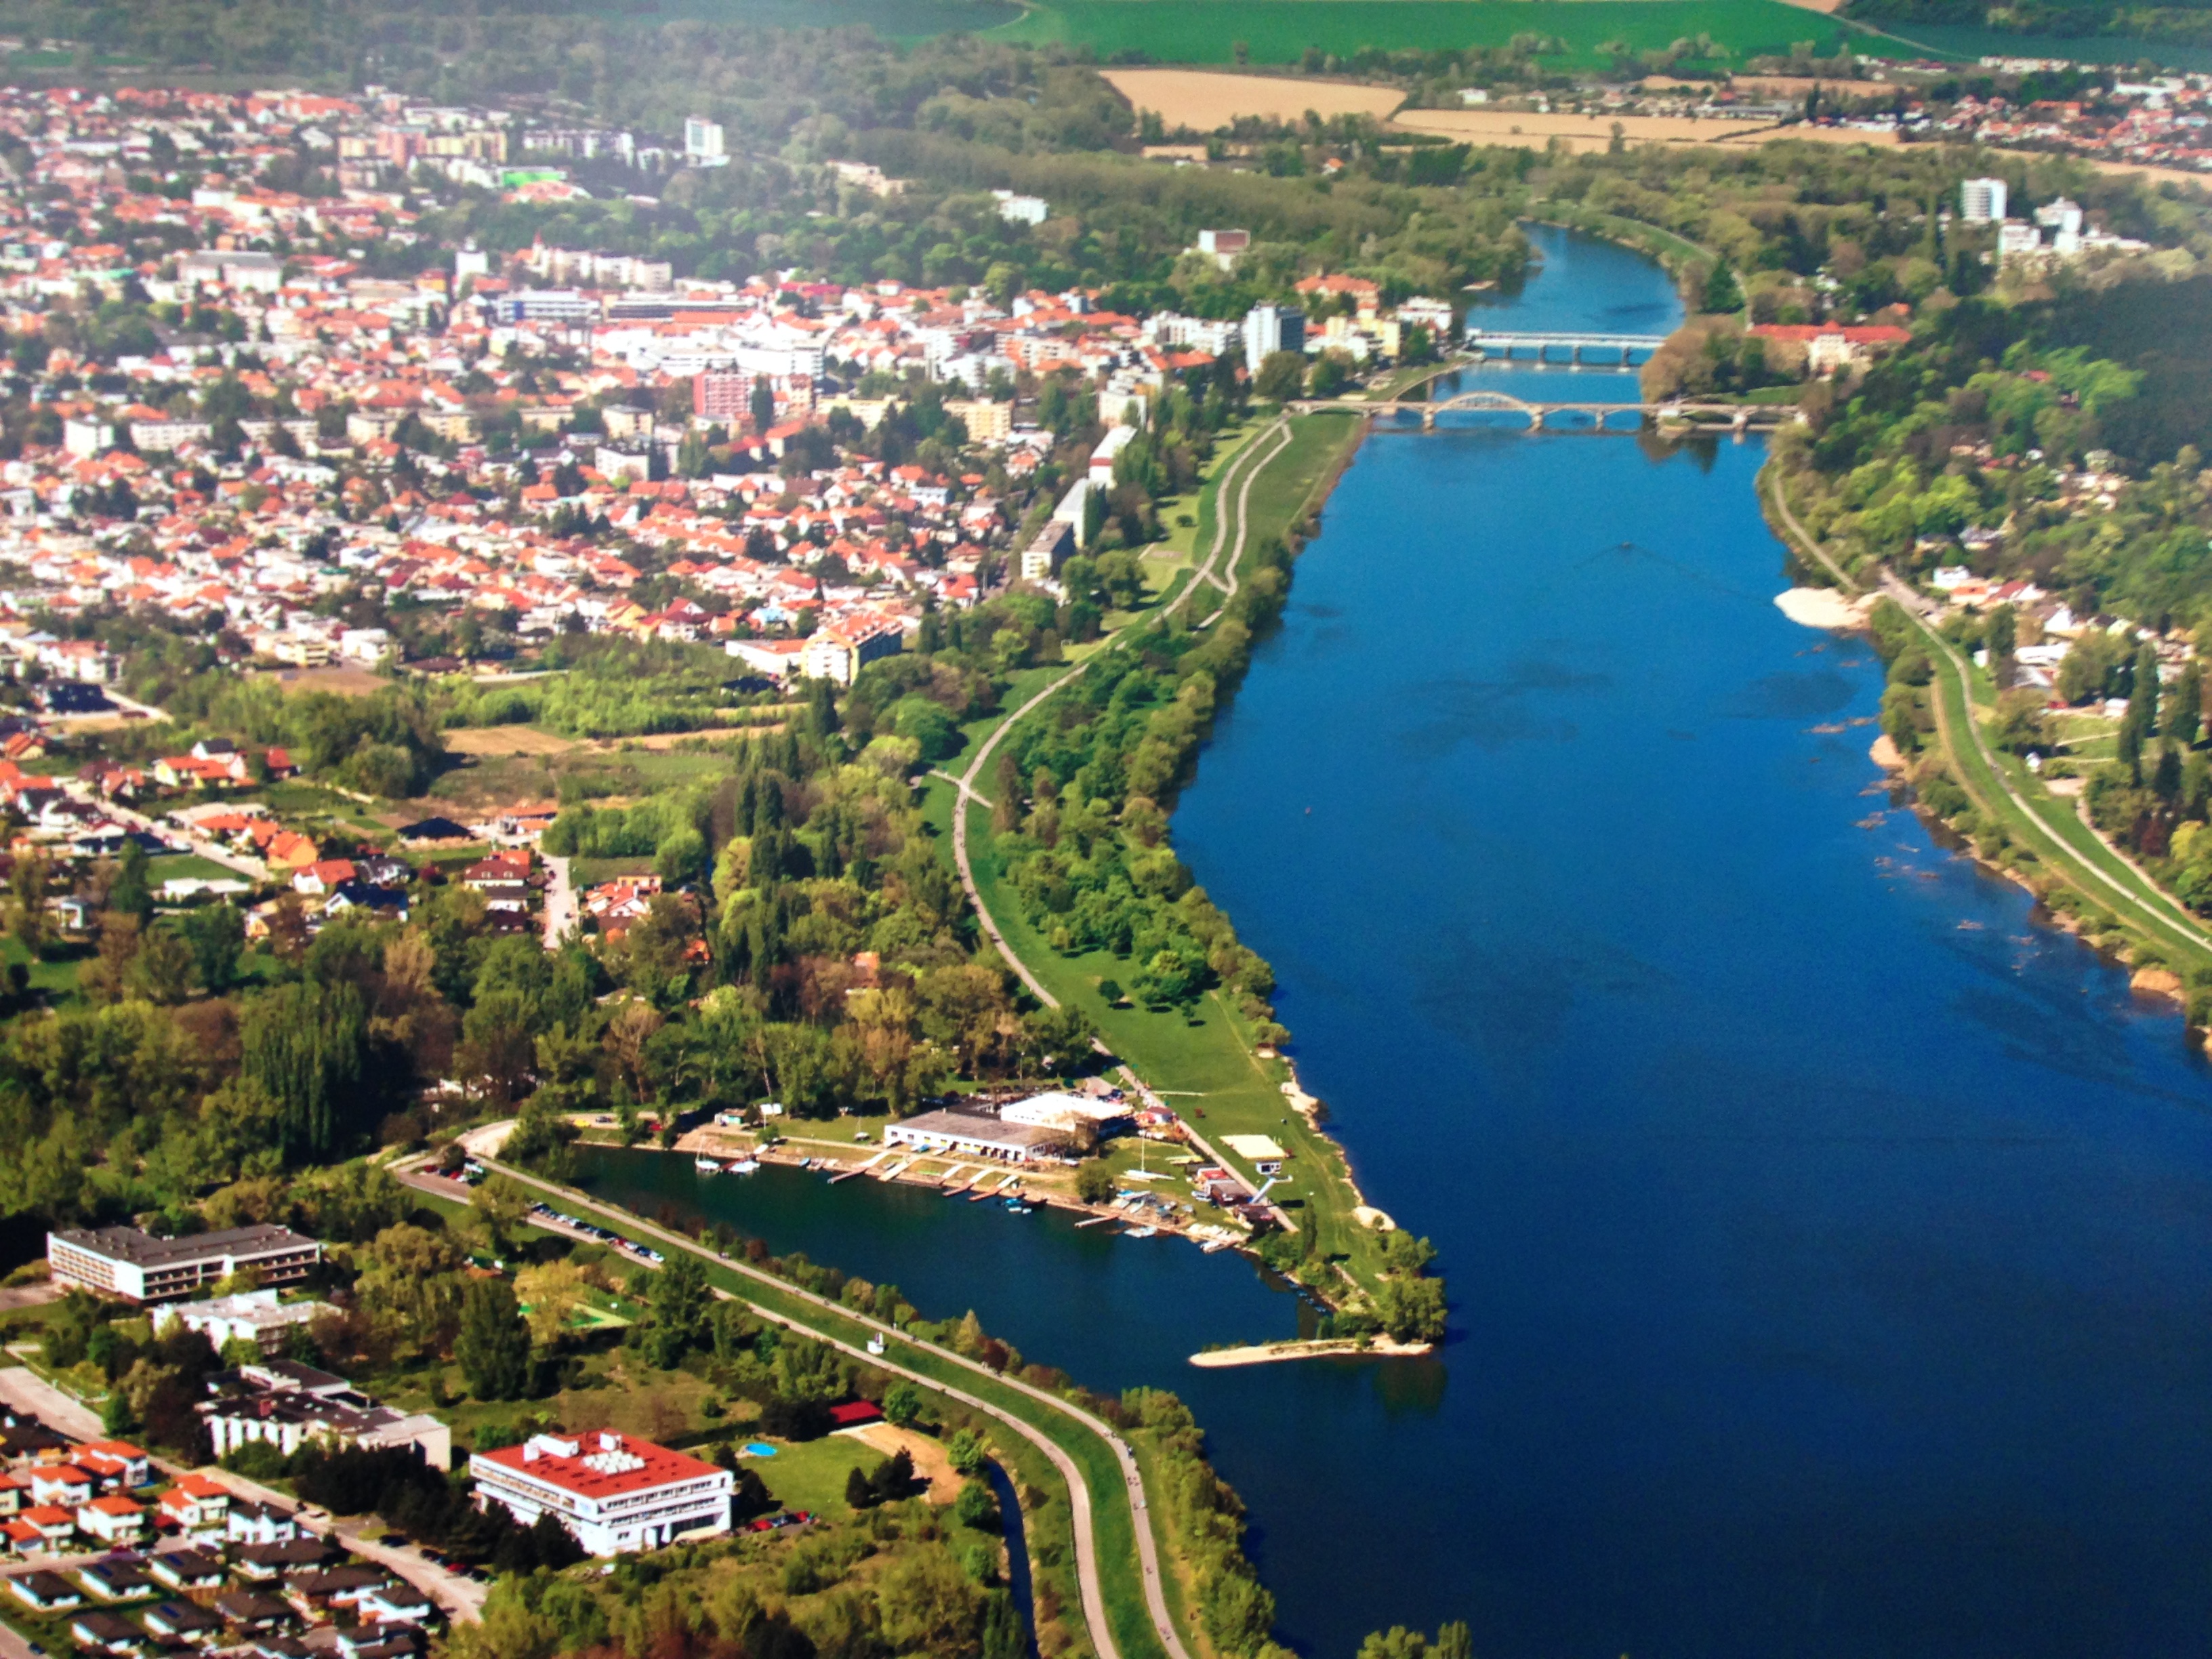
1581 134
1203 100
506 740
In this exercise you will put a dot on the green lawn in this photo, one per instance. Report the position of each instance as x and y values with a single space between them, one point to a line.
1279 31
810 1474
1207 1067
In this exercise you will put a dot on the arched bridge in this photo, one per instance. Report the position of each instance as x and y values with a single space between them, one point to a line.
1503 342
1735 416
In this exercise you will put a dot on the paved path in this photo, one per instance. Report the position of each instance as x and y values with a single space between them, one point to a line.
1080 1500
27 1391
2151 913
560 902
964 784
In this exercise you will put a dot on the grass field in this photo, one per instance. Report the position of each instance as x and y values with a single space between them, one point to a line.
1279 31
1206 1065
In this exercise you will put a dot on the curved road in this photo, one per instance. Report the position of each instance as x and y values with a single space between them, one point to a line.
964 784
1080 1501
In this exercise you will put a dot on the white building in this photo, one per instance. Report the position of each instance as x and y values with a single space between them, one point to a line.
1982 201
140 1268
613 1493
256 1317
287 1405
1021 210
1101 470
1271 329
704 144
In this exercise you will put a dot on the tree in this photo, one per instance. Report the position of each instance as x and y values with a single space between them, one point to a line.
859 1494
976 1507
1998 638
307 1045
216 935
1282 376
502 1205
929 1606
162 972
682 1298
130 894
762 400
28 918
901 1404
1722 293
1094 1183
2185 708
1332 373
492 1347
1411 1309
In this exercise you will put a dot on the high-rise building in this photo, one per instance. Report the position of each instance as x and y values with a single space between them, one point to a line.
1270 329
1982 201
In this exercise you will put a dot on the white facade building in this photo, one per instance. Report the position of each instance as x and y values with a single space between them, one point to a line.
1022 209
703 142
140 1268
256 1317
1982 201
1271 329
614 1493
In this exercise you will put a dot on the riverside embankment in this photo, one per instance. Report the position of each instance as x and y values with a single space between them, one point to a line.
1812 1214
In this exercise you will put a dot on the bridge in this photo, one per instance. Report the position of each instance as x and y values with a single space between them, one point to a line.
1735 417
1485 342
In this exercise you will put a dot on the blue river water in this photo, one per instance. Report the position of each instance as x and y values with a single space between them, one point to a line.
1830 1244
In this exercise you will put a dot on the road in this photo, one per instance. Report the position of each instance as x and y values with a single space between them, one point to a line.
461 1598
2082 872
253 868
1204 576
1080 1501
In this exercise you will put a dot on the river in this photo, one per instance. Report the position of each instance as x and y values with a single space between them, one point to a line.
1831 1244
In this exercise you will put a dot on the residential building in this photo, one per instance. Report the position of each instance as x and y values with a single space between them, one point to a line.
1271 329
287 1405
839 650
1016 209
704 143
612 1493
722 395
1982 201
140 1268
255 1317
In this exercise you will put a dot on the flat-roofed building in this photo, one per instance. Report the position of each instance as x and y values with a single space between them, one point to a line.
613 1493
140 1268
979 1134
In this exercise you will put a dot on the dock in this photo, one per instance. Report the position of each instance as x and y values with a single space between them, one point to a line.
859 1168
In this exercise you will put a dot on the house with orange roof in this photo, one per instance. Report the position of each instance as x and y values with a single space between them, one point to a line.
289 850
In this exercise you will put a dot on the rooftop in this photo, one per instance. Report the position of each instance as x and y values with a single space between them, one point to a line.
602 1465
145 1250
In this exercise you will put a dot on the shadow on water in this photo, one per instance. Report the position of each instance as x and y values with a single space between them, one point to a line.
1018 1584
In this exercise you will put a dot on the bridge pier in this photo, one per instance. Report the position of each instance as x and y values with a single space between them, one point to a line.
1428 420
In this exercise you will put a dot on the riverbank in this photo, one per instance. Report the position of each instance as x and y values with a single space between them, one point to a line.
1210 1063
2006 819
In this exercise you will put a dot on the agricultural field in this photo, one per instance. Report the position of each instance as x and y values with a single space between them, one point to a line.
1279 31
1203 100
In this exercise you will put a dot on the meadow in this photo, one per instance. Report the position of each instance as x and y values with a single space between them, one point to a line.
1280 30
